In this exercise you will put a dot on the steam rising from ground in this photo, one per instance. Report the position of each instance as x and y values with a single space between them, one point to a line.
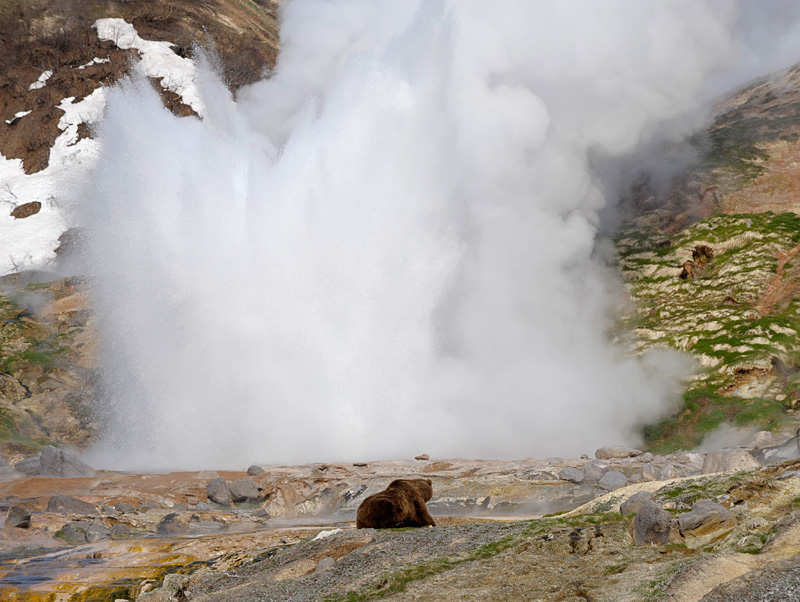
389 246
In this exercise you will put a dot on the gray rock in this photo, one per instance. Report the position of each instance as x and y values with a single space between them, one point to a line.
616 451
19 517
584 456
75 532
324 564
705 516
635 502
422 457
60 463
3 461
171 525
647 457
203 507
594 471
120 531
243 490
728 460
175 584
649 473
108 510
668 472
651 525
571 474
612 480
148 505
31 467
217 492
255 470
635 478
124 508
97 531
65 504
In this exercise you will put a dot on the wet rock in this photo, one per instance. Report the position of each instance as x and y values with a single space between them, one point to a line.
594 471
75 532
705 523
97 531
60 463
124 508
65 504
19 517
728 460
324 564
422 457
634 503
616 451
31 467
120 531
651 525
254 470
612 480
571 474
217 492
243 490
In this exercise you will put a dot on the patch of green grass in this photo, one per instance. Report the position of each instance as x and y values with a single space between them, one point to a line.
754 542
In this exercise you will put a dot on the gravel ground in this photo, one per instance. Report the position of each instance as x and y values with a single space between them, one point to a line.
778 582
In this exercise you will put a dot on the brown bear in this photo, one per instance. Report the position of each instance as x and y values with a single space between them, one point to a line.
401 504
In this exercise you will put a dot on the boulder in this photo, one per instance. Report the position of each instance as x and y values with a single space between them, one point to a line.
65 504
217 492
148 505
571 474
97 531
19 517
647 457
243 490
726 460
667 473
120 531
612 480
649 473
422 457
594 471
123 508
60 463
75 532
29 466
616 451
635 502
651 525
705 523
255 470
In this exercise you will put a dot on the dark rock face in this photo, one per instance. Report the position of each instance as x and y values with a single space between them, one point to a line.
254 470
571 474
19 517
65 504
242 490
59 463
31 467
217 492
634 503
612 480
651 525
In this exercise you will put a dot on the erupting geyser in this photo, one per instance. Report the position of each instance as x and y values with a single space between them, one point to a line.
389 244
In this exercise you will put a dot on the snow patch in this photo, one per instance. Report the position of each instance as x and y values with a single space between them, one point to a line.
95 61
325 534
158 60
40 83
17 117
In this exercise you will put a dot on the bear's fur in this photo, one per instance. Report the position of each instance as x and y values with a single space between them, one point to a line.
401 504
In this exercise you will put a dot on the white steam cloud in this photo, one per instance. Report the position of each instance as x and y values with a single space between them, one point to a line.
388 246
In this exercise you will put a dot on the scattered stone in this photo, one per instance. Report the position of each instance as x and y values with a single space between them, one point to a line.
422 457
571 474
668 472
97 531
584 456
148 505
217 492
192 500
243 490
254 470
780 397
324 564
728 460
31 467
612 480
705 523
635 502
616 451
108 510
124 508
647 457
635 478
757 523
203 507
65 504
120 531
60 463
19 517
651 525
594 471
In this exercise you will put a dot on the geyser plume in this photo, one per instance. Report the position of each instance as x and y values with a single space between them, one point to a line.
388 246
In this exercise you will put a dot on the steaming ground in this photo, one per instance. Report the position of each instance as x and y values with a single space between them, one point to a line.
389 246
